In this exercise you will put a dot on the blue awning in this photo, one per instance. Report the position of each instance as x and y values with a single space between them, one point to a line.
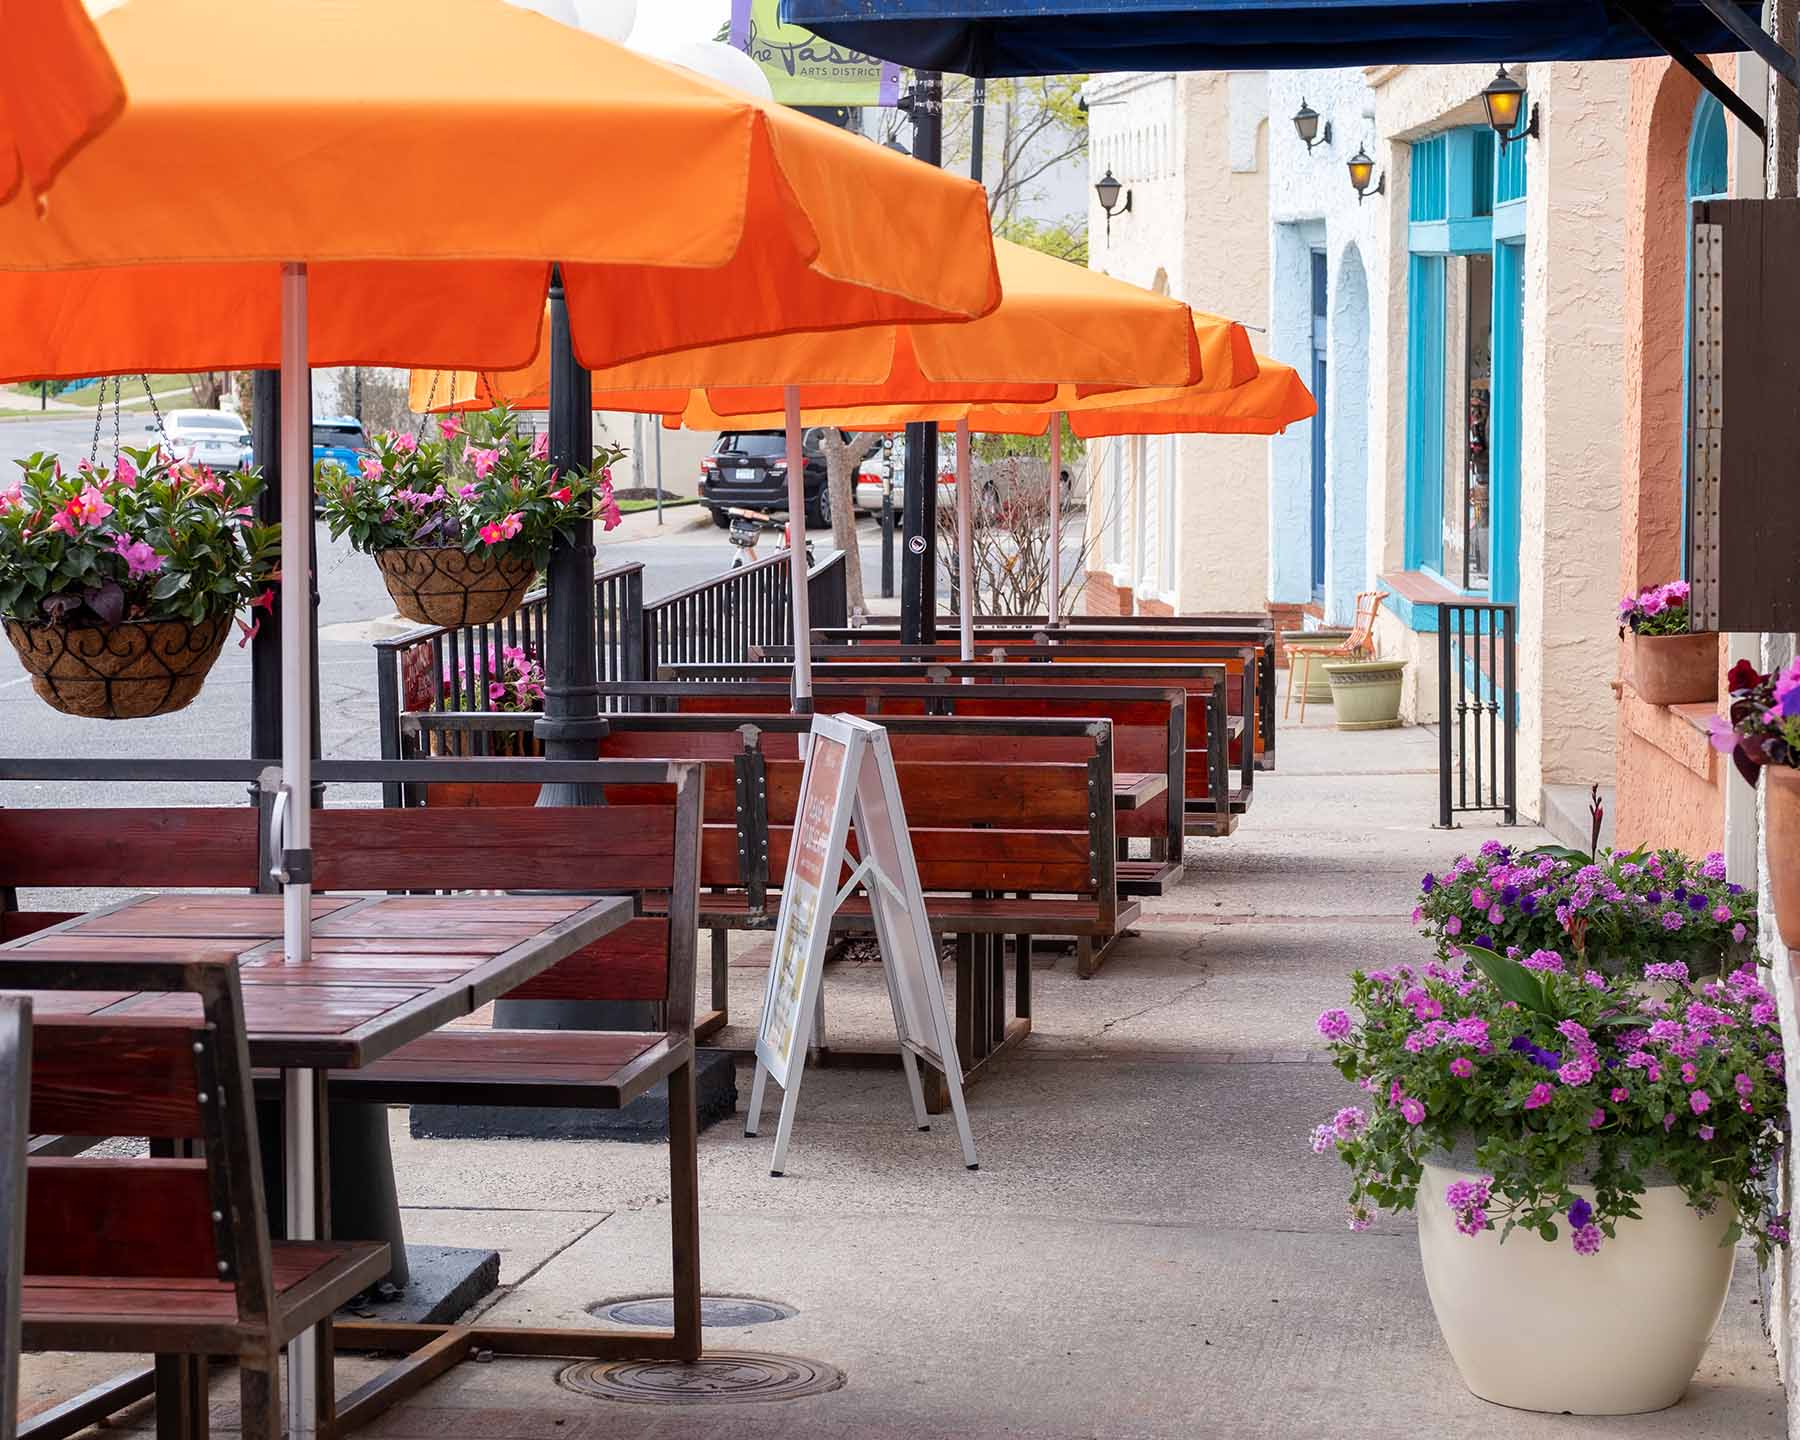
1064 37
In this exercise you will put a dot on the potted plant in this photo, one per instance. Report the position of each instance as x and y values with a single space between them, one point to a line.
1365 694
1670 664
118 584
1761 733
1318 683
460 525
510 681
1611 912
1582 1160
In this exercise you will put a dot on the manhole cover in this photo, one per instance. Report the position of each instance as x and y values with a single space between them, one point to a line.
717 1312
726 1377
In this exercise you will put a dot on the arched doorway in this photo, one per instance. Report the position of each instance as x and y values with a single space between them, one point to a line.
1345 415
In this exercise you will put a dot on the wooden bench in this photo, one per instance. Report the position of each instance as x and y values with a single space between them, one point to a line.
1254 627
1011 820
1205 813
1241 658
169 1255
1152 735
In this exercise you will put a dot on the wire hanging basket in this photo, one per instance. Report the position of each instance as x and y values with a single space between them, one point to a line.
128 671
446 585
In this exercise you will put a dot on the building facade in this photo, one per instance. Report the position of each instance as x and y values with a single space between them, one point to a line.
1179 523
1465 325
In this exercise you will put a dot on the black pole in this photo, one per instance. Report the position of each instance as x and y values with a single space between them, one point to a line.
364 1203
918 561
978 131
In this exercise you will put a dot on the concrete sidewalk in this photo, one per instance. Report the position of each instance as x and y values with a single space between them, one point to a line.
1149 1249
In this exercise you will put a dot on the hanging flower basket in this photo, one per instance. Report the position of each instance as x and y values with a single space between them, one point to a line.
446 585
127 671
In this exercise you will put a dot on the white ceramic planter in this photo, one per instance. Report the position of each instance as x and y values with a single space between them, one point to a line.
1535 1326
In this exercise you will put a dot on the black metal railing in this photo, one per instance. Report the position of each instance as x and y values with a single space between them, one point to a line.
719 621
436 668
1478 711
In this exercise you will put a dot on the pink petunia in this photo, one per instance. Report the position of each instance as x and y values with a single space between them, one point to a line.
540 445
140 558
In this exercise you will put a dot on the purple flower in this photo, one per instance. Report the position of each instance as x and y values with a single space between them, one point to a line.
1586 1239
1453 926
1545 960
1334 1024
1777 1228
1697 902
1594 980
1321 1139
1412 1111
1619 1095
1540 1096
1429 883
1495 916
1706 1132
1581 1212
1462 1067
1597 1119
1528 905
1699 1102
1671 920
1575 1072
1349 1122
1738 932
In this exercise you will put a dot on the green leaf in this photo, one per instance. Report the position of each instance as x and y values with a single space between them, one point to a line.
1547 1231
1511 979
172 583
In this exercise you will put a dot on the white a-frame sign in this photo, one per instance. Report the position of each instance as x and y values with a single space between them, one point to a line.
850 781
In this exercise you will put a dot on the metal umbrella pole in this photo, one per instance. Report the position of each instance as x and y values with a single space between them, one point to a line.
801 600
1055 608
965 542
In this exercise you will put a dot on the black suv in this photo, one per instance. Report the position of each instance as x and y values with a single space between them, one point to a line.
748 469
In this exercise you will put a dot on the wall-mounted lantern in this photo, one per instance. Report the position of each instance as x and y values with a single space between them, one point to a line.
1107 188
1503 99
1362 171
1306 125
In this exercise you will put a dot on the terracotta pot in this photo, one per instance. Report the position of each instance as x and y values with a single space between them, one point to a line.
1533 1325
444 585
1781 827
127 671
1676 669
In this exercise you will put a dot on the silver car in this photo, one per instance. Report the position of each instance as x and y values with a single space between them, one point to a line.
216 439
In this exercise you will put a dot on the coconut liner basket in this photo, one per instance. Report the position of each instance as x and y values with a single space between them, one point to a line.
128 671
445 585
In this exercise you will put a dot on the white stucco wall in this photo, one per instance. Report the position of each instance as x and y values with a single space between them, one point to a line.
1192 150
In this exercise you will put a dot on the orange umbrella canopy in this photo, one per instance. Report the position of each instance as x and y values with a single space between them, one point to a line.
429 160
58 90
1057 325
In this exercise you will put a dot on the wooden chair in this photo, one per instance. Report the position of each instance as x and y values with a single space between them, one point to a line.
15 1080
169 1255
1360 641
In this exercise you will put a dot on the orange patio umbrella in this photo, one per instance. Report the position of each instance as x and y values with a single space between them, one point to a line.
501 144
58 90
1265 405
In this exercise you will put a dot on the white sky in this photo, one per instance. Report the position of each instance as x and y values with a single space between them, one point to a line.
661 22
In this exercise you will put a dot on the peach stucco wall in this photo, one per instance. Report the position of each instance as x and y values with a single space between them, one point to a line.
1670 783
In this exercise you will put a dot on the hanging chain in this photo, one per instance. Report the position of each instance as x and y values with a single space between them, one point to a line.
155 413
430 400
118 404
99 415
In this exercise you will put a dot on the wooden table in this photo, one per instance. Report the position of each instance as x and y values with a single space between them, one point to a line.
1133 790
384 970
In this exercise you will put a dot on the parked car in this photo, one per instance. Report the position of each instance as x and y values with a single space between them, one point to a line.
339 438
747 469
212 438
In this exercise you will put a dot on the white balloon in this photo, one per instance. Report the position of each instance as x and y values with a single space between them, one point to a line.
718 61
609 19
562 11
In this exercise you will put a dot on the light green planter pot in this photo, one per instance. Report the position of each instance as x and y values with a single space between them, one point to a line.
1318 683
1366 693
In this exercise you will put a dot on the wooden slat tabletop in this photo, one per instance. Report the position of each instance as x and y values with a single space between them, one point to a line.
1133 790
384 969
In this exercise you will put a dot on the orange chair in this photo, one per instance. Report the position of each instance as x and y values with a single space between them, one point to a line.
1359 642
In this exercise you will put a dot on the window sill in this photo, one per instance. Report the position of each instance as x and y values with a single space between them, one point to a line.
1414 596
1682 732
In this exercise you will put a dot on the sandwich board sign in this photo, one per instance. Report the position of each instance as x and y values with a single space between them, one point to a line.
849 786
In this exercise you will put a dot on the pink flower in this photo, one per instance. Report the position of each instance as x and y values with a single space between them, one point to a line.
1620 1095
511 525
467 492
483 460
1706 1132
249 632
1596 1120
540 445
564 495
406 442
125 472
10 498
264 601
491 534
1412 1110
450 427
1699 1102
496 692
1540 1096
1462 1067
371 467
140 558
90 507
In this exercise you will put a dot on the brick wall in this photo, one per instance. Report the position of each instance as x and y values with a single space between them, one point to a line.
1100 596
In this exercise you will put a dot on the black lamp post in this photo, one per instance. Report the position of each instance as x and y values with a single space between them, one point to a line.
1107 189
1504 99
1362 171
1306 126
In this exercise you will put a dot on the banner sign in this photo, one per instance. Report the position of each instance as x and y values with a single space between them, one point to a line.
804 69
850 784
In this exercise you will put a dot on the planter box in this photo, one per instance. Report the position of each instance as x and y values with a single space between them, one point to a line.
1533 1325
1676 669
1366 693
1781 820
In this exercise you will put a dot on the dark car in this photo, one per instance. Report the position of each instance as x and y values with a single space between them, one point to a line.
748 469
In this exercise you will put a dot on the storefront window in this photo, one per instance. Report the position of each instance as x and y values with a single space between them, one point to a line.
1468 396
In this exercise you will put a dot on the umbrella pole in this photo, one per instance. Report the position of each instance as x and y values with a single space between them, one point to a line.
965 542
1055 519
294 857
796 490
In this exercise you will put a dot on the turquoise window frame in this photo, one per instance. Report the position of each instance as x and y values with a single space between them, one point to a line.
1471 201
1708 178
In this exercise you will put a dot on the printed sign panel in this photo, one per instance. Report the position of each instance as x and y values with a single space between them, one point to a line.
804 69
